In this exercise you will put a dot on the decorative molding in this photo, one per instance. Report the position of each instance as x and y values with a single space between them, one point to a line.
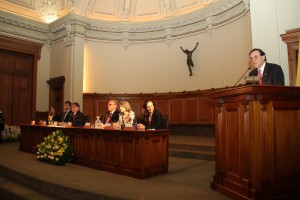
126 11
167 8
22 28
70 38
200 21
125 33
291 38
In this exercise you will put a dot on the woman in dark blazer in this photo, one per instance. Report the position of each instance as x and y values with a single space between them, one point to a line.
152 118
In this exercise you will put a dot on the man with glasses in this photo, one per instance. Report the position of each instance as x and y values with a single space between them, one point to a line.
77 118
112 115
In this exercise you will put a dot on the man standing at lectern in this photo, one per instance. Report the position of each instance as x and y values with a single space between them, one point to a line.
270 74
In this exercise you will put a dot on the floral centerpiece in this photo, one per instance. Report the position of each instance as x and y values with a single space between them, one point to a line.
55 149
10 133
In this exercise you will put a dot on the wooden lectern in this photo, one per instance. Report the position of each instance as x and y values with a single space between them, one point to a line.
257 142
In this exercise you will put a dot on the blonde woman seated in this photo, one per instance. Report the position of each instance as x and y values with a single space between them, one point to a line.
126 116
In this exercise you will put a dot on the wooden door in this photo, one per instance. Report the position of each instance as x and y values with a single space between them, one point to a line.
16 75
56 93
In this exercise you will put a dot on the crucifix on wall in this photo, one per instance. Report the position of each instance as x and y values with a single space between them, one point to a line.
189 60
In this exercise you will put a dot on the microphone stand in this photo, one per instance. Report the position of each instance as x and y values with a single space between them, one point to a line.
242 76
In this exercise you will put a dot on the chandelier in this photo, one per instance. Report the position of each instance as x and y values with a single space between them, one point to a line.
49 10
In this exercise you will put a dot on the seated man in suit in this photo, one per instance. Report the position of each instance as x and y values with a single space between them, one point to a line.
152 118
112 114
66 115
270 74
77 118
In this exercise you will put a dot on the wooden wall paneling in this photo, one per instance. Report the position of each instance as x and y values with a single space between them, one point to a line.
198 109
138 159
287 141
6 93
6 60
232 128
23 64
163 105
89 108
28 142
206 110
245 131
83 147
21 112
156 146
100 108
177 114
191 109
94 149
56 93
164 151
146 152
257 137
109 151
126 152
219 139
40 116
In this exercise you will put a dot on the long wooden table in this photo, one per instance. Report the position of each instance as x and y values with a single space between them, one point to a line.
139 154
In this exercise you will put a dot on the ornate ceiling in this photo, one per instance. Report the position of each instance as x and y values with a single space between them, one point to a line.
107 10
122 21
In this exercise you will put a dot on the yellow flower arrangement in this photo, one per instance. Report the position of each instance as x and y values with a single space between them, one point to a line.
56 149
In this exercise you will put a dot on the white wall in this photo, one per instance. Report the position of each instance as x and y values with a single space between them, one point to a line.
43 73
269 19
220 59
68 61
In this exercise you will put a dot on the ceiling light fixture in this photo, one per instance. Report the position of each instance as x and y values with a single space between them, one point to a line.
49 10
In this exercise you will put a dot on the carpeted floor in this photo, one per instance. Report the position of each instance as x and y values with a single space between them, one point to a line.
188 179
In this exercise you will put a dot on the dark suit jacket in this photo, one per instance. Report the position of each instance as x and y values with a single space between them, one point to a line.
114 118
78 119
273 75
67 118
157 120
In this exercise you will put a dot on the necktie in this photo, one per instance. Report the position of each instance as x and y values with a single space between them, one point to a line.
65 116
260 77
109 117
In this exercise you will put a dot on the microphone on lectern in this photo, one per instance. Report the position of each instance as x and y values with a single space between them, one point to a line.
242 75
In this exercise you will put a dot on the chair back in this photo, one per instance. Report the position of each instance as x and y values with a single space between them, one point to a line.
166 120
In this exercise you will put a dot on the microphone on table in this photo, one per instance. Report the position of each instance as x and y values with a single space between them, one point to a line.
242 75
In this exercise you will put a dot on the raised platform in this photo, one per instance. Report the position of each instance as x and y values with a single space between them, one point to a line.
192 147
28 178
